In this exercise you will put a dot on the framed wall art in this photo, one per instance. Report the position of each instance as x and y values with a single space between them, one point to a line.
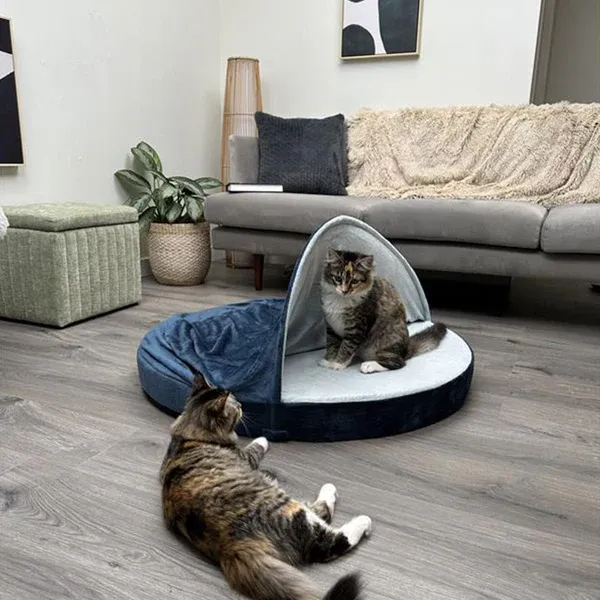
11 146
381 28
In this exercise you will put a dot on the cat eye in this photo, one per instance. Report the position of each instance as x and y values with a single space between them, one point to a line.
336 279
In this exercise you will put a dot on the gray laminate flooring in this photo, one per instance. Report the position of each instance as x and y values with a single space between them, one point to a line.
501 501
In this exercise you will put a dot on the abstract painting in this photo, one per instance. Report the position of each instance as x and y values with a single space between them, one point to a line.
380 28
11 147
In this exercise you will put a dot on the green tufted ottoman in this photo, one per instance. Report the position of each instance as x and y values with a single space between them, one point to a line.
61 263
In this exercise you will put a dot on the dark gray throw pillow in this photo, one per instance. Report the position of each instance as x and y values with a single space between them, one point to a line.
303 155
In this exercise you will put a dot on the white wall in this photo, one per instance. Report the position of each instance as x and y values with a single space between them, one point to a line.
574 64
472 51
95 77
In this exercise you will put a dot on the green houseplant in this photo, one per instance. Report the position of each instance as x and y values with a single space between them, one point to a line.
171 213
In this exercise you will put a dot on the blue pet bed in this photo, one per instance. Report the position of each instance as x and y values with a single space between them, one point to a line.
266 352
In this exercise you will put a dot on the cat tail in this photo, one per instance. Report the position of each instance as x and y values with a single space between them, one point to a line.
427 340
261 576
347 588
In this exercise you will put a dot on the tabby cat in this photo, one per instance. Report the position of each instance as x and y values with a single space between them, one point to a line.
215 496
366 318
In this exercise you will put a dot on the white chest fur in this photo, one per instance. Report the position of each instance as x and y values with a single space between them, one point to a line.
334 308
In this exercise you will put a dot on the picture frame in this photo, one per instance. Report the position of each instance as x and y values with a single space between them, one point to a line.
380 29
11 141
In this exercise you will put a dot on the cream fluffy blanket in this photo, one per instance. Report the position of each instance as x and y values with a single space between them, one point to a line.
547 154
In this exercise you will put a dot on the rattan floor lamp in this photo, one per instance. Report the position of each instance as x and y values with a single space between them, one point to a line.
242 99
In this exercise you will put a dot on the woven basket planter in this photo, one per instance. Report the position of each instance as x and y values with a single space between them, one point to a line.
179 254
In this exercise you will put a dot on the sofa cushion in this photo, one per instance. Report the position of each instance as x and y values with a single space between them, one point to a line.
572 229
304 155
299 213
488 222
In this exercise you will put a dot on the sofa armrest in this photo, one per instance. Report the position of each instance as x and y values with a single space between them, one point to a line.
243 159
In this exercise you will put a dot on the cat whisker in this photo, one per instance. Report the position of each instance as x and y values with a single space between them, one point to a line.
244 424
249 420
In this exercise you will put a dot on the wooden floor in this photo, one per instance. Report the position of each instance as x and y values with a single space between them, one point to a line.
501 501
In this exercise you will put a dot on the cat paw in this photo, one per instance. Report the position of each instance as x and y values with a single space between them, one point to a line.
328 494
367 524
263 443
358 528
372 366
334 366
326 363
338 366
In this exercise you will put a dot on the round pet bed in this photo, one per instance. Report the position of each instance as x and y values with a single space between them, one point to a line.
267 351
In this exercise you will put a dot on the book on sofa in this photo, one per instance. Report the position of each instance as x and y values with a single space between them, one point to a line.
254 187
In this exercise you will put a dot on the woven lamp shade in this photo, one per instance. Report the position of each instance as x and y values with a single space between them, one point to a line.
242 99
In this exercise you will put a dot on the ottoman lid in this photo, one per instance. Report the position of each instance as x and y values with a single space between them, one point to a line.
65 216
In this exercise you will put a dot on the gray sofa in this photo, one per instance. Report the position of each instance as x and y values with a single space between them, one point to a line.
499 237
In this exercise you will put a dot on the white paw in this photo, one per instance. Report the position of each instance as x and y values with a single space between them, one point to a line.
366 523
335 366
328 494
262 442
358 528
372 366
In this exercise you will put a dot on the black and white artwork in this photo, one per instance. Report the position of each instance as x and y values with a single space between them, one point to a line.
380 28
11 147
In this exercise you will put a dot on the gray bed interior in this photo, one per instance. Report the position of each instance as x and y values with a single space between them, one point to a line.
305 381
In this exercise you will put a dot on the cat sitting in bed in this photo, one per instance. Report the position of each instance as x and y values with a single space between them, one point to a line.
366 317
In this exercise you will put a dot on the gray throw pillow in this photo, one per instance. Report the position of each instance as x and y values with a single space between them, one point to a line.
303 155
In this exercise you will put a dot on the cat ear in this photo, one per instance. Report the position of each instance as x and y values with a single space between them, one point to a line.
333 256
365 262
217 406
201 392
199 389
200 384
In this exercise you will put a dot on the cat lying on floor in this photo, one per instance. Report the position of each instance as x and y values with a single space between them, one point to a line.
366 317
216 497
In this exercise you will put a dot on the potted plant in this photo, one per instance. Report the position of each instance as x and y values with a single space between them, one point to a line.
171 212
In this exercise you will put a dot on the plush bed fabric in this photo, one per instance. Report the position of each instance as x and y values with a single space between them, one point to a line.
266 351
235 347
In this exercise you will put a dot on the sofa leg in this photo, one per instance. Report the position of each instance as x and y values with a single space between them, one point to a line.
259 269
595 287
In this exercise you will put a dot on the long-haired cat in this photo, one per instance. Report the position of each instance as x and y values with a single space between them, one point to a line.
366 318
215 496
